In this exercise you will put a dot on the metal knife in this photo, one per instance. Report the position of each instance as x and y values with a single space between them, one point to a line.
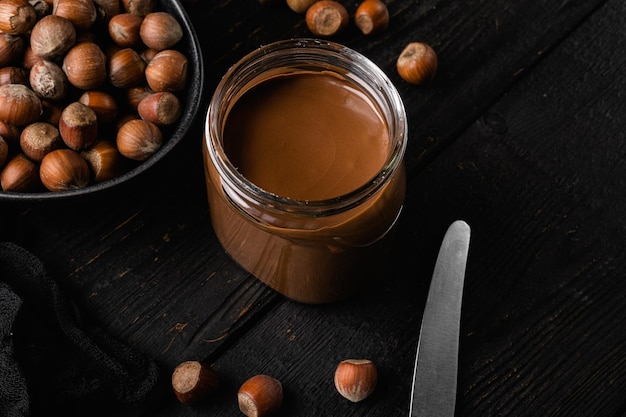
436 365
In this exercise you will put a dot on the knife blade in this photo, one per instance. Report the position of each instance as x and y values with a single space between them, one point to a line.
433 393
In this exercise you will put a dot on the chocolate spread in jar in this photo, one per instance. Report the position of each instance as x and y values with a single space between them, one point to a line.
307 137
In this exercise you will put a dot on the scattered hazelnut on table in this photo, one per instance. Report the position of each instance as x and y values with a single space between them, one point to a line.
260 396
371 17
327 18
417 64
194 381
355 379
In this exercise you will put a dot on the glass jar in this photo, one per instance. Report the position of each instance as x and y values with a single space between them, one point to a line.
310 250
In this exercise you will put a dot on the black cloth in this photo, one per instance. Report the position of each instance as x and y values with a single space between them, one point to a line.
50 359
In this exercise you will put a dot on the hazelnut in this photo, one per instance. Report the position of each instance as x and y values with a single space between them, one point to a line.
300 6
124 29
4 152
160 31
48 80
52 37
167 71
64 169
11 48
38 139
161 108
126 68
19 105
356 379
42 7
260 396
417 64
29 58
147 54
102 103
82 13
107 9
104 160
52 111
10 133
13 75
371 16
193 381
17 17
139 7
85 66
78 126
19 175
139 139
134 95
327 18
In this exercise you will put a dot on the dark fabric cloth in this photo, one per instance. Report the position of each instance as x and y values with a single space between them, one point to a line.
49 358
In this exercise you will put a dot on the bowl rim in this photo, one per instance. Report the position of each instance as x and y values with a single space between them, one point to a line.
192 97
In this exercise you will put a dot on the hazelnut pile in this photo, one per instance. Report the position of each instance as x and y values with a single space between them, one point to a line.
416 64
87 88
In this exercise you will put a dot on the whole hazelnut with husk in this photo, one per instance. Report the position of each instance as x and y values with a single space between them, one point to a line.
38 139
102 103
17 17
160 31
126 69
139 139
327 18
371 16
19 105
82 13
64 169
13 75
417 64
300 6
356 379
194 381
161 108
52 36
124 29
167 71
11 48
78 126
260 396
20 175
85 66
48 80
104 160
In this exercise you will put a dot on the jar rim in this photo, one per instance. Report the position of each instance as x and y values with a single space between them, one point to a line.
311 52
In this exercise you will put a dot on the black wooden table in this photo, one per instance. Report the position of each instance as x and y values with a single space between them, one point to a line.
521 134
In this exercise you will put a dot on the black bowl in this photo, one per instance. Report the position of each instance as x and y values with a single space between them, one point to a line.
191 100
